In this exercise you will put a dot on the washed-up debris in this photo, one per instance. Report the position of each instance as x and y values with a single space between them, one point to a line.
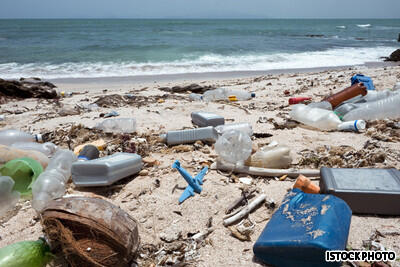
243 230
384 130
305 185
110 114
371 155
116 100
90 232
245 211
68 111
194 88
28 88
246 195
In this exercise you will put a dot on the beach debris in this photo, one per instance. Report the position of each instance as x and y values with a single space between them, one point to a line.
243 230
305 185
74 224
68 111
384 130
194 184
10 153
245 211
119 125
8 197
110 114
28 88
298 100
274 155
206 134
194 88
171 234
246 195
100 144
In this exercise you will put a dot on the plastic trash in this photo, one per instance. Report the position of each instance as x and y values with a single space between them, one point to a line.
356 126
107 170
8 197
387 108
360 78
298 100
234 147
24 171
11 136
315 117
273 156
366 191
51 183
119 125
194 184
195 97
241 126
345 108
396 86
227 94
206 134
304 184
346 94
2 117
322 105
47 148
204 119
377 95
88 152
100 144
111 114
10 153
303 228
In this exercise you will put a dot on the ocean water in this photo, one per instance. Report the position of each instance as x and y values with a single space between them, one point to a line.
105 47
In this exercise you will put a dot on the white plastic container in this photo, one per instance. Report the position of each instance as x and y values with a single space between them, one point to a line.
118 125
224 94
8 197
234 147
46 148
206 134
388 108
273 156
11 136
105 171
241 126
355 126
51 183
315 117
204 119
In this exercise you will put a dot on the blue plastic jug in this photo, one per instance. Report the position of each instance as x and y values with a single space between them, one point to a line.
302 229
359 78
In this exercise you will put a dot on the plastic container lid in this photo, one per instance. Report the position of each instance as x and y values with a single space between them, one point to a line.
253 94
163 138
39 138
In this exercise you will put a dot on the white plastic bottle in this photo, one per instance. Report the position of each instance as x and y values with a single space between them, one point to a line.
11 136
51 183
118 125
378 95
241 126
315 117
234 147
273 156
195 97
206 134
8 197
387 108
47 148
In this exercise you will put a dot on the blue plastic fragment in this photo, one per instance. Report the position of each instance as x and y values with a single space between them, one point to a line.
193 183
360 78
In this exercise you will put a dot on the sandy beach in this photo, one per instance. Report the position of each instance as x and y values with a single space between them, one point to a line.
152 199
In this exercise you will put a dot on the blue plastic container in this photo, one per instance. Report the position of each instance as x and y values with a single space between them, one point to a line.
302 229
359 78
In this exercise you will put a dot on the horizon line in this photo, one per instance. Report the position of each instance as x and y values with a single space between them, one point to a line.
199 18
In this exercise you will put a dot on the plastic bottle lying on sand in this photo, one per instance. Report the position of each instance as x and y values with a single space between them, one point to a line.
46 148
378 95
8 197
241 126
345 108
387 108
226 94
234 147
51 183
11 136
322 105
315 117
355 126
273 156
195 97
206 134
346 94
9 153
120 125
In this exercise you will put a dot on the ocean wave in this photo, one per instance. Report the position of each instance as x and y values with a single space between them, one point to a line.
201 64
364 25
341 27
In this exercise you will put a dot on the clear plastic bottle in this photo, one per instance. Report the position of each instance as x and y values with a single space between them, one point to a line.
234 147
315 117
273 156
345 108
51 183
11 136
9 153
195 97
396 86
225 94
8 197
119 125
387 108
47 148
206 134
241 126
378 95
322 105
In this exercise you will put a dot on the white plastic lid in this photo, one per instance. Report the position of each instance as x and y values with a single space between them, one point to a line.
39 138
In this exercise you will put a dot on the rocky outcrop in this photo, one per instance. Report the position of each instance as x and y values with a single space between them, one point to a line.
395 56
28 88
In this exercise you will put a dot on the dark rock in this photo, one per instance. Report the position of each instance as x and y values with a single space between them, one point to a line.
395 56
28 88
315 35
398 39
194 88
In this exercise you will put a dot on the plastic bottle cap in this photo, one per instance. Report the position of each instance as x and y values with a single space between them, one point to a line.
163 138
39 138
89 152
253 94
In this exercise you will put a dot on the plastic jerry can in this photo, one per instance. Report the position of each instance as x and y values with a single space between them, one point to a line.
204 119
303 228
105 171
360 78
367 191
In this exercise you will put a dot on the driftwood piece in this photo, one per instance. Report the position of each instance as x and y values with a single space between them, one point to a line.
245 211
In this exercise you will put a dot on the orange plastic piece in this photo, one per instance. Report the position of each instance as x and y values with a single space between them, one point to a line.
305 185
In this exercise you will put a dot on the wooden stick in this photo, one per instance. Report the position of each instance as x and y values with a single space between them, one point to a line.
264 171
237 202
261 198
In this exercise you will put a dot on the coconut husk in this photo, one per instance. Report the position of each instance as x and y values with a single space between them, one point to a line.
90 232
